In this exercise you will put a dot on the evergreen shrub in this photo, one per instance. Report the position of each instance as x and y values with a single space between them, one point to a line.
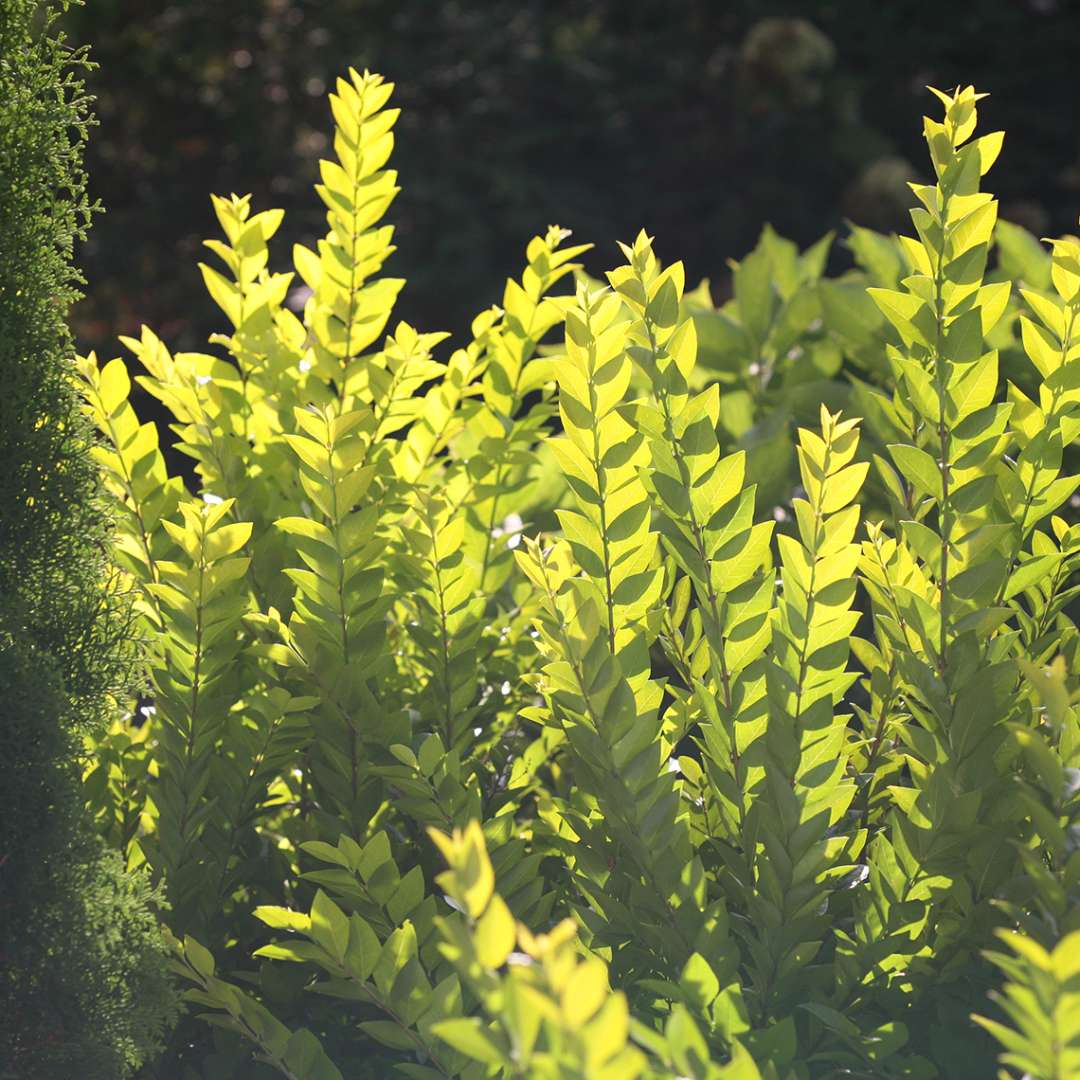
759 760
84 986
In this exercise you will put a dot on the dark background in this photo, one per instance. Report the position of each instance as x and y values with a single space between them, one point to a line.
697 120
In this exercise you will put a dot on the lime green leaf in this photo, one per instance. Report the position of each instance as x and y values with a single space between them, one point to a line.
468 1036
918 468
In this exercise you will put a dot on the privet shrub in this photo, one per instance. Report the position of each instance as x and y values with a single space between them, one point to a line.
83 980
760 761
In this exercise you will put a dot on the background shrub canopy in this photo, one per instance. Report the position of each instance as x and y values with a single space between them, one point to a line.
516 113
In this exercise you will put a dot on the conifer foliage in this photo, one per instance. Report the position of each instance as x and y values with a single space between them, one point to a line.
639 689
82 981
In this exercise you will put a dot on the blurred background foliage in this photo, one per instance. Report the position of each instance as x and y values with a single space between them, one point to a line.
697 119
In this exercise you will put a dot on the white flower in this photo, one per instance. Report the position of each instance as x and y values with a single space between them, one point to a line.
211 499
513 525
298 297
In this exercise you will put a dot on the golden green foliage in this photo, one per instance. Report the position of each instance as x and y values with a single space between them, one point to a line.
735 769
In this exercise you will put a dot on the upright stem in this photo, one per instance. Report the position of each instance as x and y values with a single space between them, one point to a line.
699 545
943 435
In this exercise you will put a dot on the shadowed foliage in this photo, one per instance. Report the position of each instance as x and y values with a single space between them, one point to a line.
82 984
